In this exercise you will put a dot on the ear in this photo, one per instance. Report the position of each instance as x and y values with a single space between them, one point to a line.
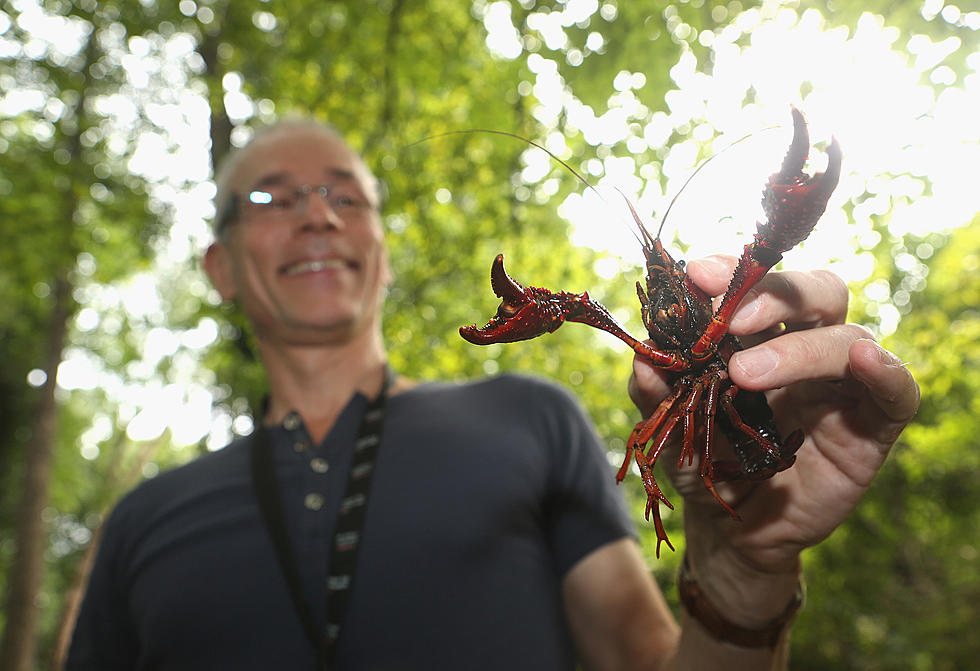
387 274
217 264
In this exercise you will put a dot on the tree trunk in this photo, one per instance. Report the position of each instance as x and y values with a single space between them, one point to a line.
221 125
18 647
73 602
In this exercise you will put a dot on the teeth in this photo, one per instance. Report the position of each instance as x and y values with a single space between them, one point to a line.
314 266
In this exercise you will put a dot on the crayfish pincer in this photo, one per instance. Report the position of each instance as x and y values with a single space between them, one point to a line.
689 339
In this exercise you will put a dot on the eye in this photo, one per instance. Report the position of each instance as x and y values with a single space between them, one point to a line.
346 196
283 202
272 200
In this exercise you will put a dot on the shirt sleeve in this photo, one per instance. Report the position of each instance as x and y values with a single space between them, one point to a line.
103 638
585 509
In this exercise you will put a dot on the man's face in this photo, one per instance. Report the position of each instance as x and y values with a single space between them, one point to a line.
306 268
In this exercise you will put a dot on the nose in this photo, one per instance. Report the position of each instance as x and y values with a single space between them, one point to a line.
317 212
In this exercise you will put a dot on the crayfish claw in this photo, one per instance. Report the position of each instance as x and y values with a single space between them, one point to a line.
792 200
513 297
524 312
799 149
503 285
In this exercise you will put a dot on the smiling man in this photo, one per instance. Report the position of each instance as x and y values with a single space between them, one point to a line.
371 523
306 260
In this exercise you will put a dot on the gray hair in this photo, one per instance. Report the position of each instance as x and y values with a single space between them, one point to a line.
226 200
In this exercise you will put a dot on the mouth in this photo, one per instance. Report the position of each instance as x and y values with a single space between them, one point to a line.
315 266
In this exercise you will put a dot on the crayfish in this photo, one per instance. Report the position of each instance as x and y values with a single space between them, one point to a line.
689 339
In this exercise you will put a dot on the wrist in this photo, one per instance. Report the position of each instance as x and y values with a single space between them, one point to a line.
746 596
755 631
750 589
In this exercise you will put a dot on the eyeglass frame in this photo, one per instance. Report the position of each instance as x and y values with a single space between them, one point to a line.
233 209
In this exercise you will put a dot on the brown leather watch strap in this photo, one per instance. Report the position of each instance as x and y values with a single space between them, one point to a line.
701 609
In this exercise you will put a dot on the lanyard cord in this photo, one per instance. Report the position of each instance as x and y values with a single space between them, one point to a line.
347 532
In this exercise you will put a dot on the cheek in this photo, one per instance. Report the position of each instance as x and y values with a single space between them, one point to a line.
256 260
373 242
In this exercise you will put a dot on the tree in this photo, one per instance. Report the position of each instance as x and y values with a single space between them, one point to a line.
180 76
900 577
69 220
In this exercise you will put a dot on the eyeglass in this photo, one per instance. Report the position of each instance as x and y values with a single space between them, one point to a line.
282 201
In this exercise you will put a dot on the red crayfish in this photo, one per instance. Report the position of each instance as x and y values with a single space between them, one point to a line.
689 338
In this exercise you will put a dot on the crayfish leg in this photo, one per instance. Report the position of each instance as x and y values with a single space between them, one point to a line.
654 498
764 454
710 485
690 408
727 401
710 410
644 430
650 483
638 438
707 471
659 526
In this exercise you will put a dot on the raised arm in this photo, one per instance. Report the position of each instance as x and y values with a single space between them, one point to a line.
850 397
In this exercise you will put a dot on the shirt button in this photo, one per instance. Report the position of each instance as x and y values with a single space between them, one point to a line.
313 501
301 446
292 421
319 465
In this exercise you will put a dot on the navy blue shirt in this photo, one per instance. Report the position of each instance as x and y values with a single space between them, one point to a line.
484 496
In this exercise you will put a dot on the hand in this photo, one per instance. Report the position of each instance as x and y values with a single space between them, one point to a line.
851 399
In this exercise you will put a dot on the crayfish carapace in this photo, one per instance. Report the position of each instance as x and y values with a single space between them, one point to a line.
689 338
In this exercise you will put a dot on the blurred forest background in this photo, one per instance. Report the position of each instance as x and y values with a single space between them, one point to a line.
118 360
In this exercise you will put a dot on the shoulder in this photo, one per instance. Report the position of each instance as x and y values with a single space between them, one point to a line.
505 409
176 486
519 391
518 400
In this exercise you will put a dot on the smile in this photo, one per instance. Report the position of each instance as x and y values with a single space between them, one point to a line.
314 266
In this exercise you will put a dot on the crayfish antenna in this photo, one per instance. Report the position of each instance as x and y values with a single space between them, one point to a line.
690 178
647 240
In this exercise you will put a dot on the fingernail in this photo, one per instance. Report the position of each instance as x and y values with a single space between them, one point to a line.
747 310
886 357
756 362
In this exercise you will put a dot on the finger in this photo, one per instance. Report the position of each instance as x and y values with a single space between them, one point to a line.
647 385
815 354
889 382
712 273
797 299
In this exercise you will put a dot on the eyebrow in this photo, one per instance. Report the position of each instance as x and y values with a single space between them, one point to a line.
340 173
277 178
271 180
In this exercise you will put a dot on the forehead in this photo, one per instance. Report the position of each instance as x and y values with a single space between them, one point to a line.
306 155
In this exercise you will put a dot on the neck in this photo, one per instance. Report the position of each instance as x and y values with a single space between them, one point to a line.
318 382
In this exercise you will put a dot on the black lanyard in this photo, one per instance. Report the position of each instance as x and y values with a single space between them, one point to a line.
347 532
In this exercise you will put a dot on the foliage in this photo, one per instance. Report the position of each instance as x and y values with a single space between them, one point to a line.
897 586
73 216
377 70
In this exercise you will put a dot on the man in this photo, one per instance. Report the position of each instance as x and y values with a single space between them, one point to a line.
490 536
